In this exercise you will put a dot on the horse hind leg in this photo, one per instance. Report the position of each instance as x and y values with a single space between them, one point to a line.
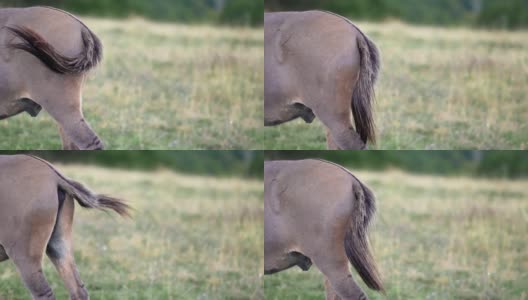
300 260
304 112
330 144
3 254
75 131
340 132
339 283
329 291
332 261
290 260
22 105
60 249
336 116
30 107
30 268
27 256
67 144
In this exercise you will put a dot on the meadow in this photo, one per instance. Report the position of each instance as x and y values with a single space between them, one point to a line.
439 88
437 238
191 237
164 86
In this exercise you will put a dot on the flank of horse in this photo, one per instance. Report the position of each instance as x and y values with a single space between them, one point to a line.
316 211
36 217
45 55
320 64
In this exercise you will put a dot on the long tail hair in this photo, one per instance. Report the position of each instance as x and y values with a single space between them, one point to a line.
33 43
356 241
363 94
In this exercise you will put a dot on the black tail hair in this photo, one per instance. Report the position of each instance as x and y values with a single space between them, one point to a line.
356 241
36 45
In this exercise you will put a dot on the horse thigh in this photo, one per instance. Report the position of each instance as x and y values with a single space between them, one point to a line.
60 251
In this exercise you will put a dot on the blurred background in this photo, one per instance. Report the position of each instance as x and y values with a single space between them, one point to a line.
482 13
213 163
241 12
509 164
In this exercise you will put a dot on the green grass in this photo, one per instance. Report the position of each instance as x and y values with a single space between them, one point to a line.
164 86
191 238
437 238
438 89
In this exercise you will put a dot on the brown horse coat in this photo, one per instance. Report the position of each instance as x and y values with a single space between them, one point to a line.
320 64
36 217
45 55
316 211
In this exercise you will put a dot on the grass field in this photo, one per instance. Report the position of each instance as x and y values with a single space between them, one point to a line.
438 89
165 86
437 238
191 238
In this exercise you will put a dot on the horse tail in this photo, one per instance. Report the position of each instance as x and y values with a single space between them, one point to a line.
363 94
356 241
85 197
33 43
89 199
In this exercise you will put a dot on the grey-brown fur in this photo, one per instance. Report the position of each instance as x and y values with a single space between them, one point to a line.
36 217
45 56
317 211
320 64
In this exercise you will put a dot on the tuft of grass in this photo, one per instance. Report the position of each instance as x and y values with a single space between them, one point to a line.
191 237
164 86
438 89
436 238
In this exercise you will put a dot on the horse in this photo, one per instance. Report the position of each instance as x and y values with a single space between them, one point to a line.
36 217
45 55
319 64
318 212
